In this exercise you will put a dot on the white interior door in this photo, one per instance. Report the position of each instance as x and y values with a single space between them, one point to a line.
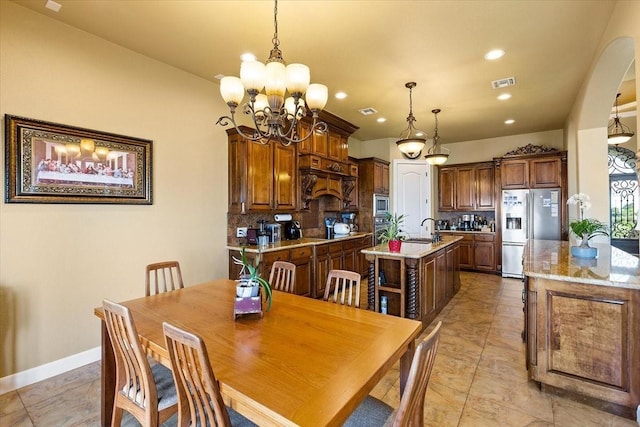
412 194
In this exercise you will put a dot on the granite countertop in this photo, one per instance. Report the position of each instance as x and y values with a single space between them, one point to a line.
289 244
551 259
411 250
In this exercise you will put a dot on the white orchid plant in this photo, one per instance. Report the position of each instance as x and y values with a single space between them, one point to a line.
585 228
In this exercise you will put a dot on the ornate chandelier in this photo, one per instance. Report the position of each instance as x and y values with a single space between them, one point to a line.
273 116
436 154
411 140
617 132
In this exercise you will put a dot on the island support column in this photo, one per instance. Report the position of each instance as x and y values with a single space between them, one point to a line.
412 287
371 283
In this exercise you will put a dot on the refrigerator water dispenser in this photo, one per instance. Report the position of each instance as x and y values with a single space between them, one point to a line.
514 223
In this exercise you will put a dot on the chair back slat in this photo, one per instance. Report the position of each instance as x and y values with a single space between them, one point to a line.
411 409
283 276
163 277
199 398
135 385
345 286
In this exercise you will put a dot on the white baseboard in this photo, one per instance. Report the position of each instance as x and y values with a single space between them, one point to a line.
48 370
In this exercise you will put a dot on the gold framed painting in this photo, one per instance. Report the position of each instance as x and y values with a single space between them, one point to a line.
53 163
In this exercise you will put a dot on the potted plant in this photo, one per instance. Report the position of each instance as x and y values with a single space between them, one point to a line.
250 281
391 233
585 228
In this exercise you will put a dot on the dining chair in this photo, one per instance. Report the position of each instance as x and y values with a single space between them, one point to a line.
199 399
345 286
283 276
162 277
148 393
410 412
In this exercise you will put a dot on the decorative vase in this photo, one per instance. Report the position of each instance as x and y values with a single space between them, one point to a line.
584 250
395 245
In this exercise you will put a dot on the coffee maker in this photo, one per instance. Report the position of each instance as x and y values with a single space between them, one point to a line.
292 230
467 222
349 218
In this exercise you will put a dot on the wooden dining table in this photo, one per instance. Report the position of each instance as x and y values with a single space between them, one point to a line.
305 362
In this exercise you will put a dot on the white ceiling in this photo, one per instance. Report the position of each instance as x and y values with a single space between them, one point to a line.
370 49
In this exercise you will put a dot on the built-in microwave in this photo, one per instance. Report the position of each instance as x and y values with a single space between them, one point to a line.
381 205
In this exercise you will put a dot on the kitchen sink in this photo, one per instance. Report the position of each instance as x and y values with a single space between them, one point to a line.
423 240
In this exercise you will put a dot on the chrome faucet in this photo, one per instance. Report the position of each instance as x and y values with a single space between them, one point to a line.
435 235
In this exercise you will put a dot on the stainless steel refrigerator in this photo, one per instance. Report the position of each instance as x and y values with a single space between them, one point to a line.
527 214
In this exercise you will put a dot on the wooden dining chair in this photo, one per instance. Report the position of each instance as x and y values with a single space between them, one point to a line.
162 277
345 287
199 399
148 393
283 276
410 412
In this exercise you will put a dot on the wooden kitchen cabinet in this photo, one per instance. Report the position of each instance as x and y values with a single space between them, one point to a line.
374 177
440 272
303 260
465 188
468 187
446 189
324 166
537 170
514 174
349 256
477 251
484 252
583 338
261 177
545 172
328 256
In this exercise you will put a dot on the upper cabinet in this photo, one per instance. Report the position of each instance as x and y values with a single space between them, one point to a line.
535 167
324 163
261 177
467 187
374 176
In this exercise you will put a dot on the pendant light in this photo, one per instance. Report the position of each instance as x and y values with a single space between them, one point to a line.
618 133
436 154
411 140
274 117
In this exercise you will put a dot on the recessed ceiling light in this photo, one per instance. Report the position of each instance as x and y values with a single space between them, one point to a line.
248 57
341 95
219 76
494 54
504 96
381 120
509 122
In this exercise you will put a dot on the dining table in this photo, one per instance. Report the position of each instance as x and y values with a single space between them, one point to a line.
305 362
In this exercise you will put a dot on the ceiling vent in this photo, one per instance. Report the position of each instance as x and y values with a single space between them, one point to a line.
499 84
368 111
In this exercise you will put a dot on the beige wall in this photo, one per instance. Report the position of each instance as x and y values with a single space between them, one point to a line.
586 126
57 262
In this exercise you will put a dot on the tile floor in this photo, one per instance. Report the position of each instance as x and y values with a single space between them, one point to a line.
479 378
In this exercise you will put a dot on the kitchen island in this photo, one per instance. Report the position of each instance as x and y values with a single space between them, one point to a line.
418 281
582 324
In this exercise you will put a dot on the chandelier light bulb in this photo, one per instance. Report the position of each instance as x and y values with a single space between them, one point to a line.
232 90
252 75
298 78
317 96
